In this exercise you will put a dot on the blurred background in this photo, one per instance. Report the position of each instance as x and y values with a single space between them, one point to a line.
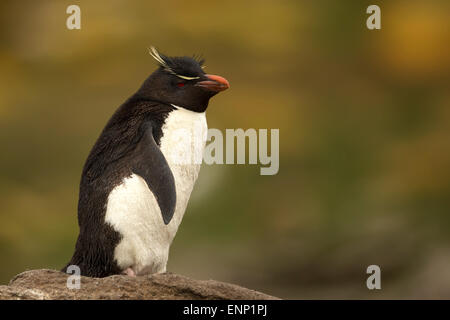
364 119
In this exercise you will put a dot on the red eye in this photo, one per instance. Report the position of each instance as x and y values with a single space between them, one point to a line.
181 84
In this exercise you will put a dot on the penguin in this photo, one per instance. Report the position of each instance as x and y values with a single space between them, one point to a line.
138 177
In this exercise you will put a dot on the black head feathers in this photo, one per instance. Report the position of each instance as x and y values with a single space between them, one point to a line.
187 68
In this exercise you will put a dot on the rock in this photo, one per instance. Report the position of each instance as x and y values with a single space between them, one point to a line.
48 284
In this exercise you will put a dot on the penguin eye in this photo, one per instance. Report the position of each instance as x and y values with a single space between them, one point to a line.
181 84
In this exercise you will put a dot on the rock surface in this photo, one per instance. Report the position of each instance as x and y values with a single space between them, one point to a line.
51 284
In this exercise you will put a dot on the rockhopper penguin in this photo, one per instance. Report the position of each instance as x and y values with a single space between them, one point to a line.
134 189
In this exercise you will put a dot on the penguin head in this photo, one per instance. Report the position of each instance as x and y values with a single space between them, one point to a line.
181 81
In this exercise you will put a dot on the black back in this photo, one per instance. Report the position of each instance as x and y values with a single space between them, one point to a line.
114 157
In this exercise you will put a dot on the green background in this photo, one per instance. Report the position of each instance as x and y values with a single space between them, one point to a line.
364 137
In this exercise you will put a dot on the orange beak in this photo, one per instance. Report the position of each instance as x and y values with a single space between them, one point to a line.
214 83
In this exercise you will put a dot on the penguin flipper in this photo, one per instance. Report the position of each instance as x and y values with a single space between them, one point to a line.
152 166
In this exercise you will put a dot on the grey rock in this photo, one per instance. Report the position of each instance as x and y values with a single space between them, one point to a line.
48 284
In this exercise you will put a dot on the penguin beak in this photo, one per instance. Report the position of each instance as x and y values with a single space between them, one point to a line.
214 83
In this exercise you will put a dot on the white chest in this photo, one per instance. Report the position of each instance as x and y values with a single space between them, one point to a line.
132 208
182 143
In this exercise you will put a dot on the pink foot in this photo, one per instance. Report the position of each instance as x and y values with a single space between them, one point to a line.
129 272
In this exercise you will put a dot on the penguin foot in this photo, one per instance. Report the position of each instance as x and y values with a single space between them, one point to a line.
129 272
